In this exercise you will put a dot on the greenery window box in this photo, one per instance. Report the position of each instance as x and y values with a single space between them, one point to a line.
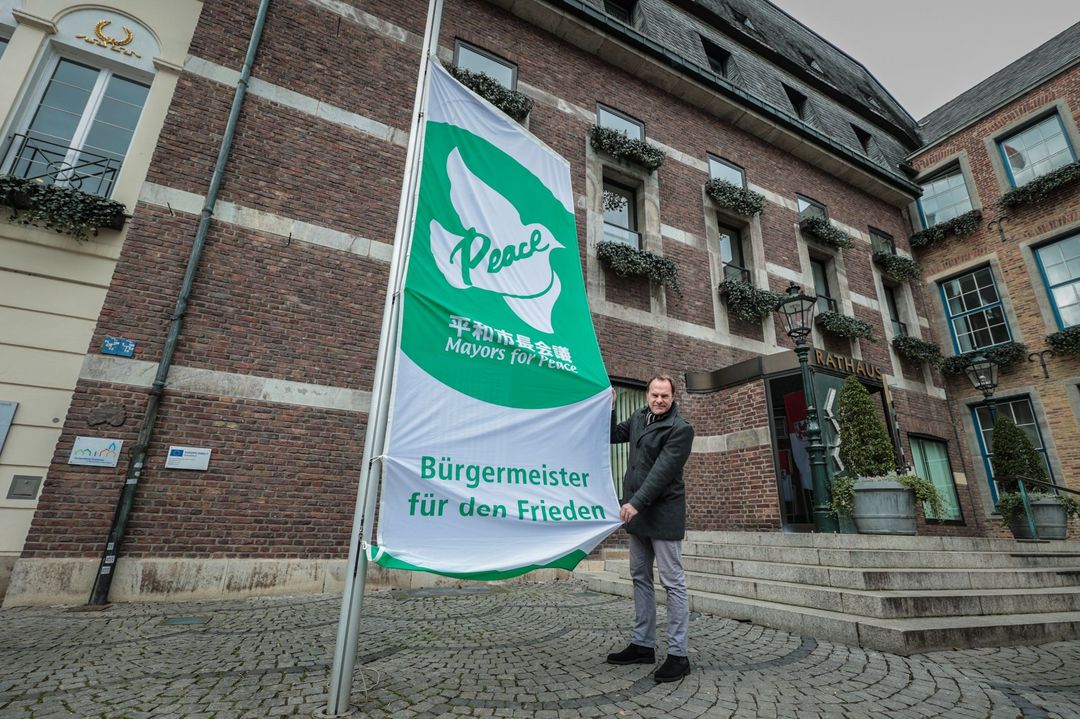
917 350
820 229
61 208
901 269
836 323
1041 188
961 226
515 104
627 261
621 146
747 302
1004 355
732 197
1066 342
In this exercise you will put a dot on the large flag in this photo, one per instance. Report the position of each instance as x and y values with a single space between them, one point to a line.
497 460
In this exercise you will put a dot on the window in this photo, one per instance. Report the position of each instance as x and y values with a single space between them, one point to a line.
882 242
899 328
731 255
1019 411
930 457
728 171
826 303
798 101
810 208
615 120
1036 151
474 59
944 197
620 215
863 137
719 59
743 20
628 399
79 131
812 63
1060 266
621 10
974 312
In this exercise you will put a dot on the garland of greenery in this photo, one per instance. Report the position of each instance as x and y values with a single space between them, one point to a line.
925 493
515 104
899 268
747 302
820 229
626 261
732 197
842 502
1066 342
1003 355
961 226
620 145
843 326
64 209
1041 188
917 350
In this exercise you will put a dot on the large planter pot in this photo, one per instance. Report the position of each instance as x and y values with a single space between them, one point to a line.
1051 522
884 507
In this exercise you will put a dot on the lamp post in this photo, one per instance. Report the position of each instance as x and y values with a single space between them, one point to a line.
797 311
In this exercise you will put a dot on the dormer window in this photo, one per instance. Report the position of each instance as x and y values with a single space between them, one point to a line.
863 137
799 102
744 20
812 63
621 10
720 60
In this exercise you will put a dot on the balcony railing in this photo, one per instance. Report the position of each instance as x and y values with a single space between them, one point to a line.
614 233
882 244
899 329
34 158
826 304
739 274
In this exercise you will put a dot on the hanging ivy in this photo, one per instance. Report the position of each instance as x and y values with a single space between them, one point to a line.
64 209
747 302
901 269
627 261
1041 188
1004 356
1066 342
820 229
917 350
515 104
961 226
732 197
841 325
621 146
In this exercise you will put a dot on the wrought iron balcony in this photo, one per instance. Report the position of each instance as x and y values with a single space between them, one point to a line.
739 274
880 243
899 329
35 158
826 304
614 233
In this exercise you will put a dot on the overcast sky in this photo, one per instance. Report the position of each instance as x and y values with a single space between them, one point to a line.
926 52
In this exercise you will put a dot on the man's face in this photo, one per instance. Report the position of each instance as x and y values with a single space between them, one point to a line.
660 396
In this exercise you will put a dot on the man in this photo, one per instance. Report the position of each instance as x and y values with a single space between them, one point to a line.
654 512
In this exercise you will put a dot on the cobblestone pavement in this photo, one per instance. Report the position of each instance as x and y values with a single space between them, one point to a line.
503 651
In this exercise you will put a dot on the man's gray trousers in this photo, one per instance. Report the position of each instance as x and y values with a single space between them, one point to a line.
668 557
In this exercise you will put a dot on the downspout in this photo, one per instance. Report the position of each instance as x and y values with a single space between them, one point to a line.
107 568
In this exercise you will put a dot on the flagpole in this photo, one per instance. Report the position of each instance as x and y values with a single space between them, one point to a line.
341 674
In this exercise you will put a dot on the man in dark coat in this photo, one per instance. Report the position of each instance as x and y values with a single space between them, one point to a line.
654 512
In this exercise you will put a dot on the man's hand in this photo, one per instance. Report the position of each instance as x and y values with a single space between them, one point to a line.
627 512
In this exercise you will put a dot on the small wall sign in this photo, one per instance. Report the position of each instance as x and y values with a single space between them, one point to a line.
95 451
118 346
188 458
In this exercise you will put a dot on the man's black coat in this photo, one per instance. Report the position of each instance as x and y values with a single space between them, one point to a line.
653 484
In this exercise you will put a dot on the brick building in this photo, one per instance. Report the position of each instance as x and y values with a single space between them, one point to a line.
274 365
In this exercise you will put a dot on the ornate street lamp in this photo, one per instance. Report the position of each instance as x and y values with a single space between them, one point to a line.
797 312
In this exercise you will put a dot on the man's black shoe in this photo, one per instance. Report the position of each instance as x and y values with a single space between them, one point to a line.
633 654
673 669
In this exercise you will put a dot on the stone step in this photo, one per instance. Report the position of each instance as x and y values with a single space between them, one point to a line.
885 558
872 541
896 636
888 579
884 604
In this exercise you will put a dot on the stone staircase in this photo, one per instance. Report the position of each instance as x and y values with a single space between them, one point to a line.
902 595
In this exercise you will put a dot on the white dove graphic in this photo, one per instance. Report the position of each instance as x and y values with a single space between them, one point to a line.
498 253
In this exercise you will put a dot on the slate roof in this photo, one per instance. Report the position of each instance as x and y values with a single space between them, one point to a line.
1049 58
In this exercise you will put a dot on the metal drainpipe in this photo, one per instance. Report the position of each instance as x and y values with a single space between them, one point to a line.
107 568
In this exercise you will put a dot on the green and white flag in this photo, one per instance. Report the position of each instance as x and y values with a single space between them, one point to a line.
497 460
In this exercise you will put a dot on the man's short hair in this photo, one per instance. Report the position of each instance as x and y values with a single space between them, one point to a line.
661 378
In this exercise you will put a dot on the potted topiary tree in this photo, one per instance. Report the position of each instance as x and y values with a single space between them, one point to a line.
870 490
1015 456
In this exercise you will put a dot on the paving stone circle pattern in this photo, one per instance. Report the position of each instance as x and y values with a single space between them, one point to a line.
524 650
